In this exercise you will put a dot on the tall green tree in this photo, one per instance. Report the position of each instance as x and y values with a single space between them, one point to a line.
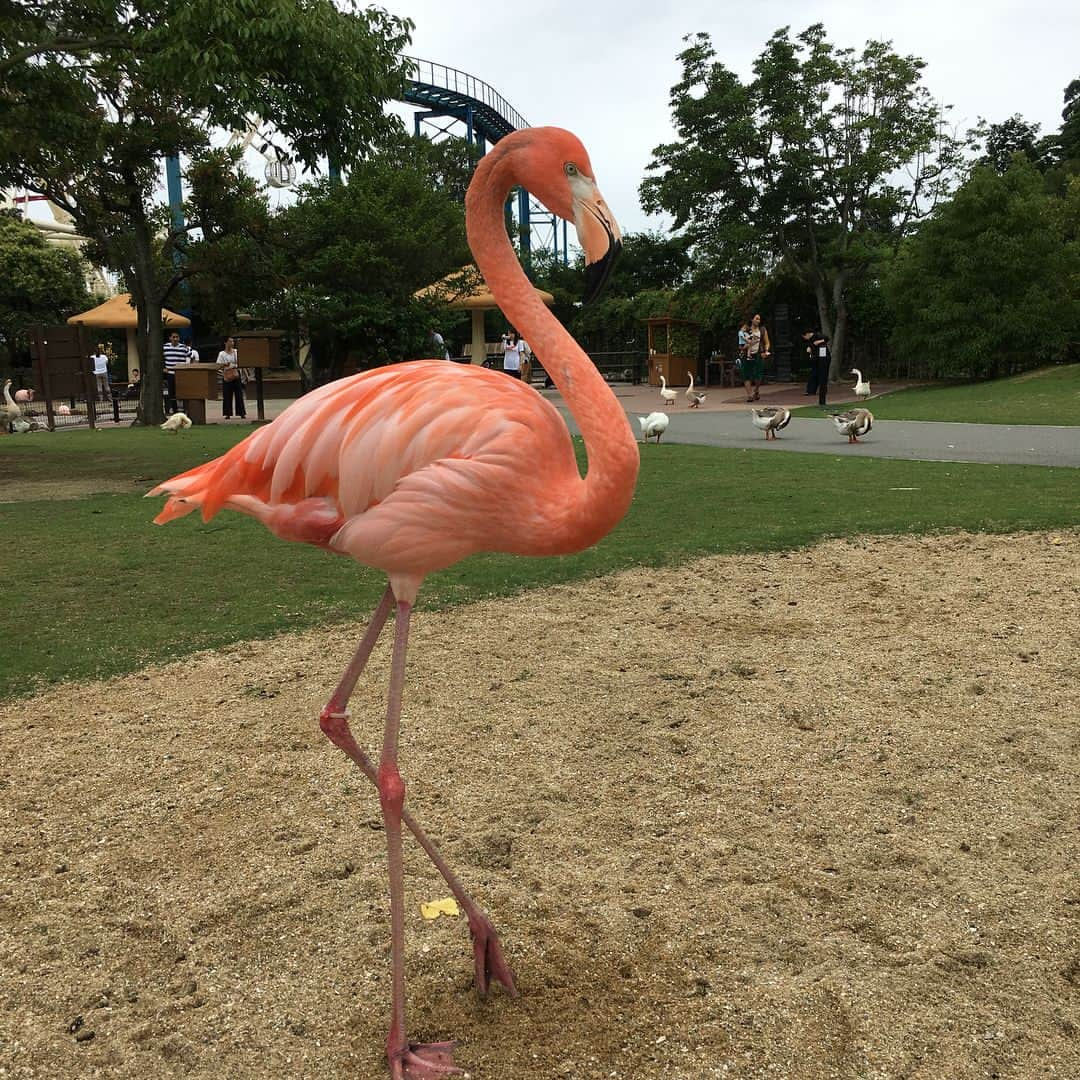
1059 151
232 263
349 257
39 283
94 94
989 284
823 159
1012 136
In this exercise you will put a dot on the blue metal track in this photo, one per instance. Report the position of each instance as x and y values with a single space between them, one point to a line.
446 91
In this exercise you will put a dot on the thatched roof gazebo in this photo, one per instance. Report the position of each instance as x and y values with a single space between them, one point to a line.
118 313
466 290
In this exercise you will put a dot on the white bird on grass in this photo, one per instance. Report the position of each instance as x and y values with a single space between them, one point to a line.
854 423
9 411
694 397
654 424
770 420
177 422
668 395
862 389
20 426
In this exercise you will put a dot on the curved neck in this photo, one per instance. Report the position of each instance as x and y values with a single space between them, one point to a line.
613 456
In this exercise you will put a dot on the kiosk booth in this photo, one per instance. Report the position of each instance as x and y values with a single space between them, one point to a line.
673 349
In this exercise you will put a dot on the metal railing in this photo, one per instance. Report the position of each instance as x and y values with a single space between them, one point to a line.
428 73
616 367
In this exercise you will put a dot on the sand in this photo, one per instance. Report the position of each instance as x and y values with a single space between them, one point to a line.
793 815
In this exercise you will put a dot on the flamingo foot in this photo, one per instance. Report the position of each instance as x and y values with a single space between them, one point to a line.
488 956
423 1061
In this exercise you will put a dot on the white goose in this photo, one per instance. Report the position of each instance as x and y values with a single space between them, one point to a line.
177 422
694 397
854 423
668 395
654 424
9 411
770 420
862 389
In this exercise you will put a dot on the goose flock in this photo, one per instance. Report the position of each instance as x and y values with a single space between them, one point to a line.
852 424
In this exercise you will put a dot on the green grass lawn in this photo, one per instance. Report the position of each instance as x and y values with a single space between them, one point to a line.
1046 396
95 589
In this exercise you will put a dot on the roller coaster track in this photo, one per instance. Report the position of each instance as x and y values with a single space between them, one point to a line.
446 91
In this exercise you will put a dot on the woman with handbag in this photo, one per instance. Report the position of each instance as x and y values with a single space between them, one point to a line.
758 348
232 386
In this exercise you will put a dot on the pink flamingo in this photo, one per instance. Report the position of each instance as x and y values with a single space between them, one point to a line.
412 467
24 397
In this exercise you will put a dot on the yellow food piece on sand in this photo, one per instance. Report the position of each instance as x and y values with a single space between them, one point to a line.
439 907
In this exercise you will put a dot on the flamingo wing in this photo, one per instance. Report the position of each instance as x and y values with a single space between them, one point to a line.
412 464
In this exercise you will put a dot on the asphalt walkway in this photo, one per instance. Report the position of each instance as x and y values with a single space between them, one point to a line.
726 422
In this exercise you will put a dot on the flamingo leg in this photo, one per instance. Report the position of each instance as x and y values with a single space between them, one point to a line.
408 1061
488 955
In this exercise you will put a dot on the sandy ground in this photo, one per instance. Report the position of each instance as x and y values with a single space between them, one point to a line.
807 815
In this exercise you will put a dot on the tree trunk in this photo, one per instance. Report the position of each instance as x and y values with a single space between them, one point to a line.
148 311
839 334
824 322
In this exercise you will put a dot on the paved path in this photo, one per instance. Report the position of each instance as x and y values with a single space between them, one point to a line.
729 425
725 421
912 439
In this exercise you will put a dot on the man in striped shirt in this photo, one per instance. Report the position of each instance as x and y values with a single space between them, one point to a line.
176 353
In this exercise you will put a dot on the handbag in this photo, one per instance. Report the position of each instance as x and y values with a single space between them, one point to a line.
230 374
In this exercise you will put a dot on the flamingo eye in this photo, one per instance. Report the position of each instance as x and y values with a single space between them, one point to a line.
571 169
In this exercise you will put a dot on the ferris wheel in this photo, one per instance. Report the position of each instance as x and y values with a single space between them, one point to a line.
280 170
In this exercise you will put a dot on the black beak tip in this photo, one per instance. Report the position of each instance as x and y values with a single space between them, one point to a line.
598 273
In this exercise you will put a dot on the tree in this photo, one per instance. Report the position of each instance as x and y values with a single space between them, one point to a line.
1012 136
350 256
1069 136
802 163
39 284
90 109
232 265
988 285
650 260
1059 152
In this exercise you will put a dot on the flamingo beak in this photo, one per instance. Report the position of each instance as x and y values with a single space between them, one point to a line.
598 233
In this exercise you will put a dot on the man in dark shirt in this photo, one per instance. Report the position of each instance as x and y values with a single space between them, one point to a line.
820 356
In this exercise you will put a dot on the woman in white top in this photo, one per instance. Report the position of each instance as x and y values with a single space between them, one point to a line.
101 373
232 385
512 349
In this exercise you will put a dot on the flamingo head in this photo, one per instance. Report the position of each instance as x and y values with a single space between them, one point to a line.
555 167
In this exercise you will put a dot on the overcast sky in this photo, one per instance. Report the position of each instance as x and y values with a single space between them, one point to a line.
604 68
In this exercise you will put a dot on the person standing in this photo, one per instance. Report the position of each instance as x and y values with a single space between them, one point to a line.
526 361
512 349
438 345
757 352
176 353
100 361
232 382
820 356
